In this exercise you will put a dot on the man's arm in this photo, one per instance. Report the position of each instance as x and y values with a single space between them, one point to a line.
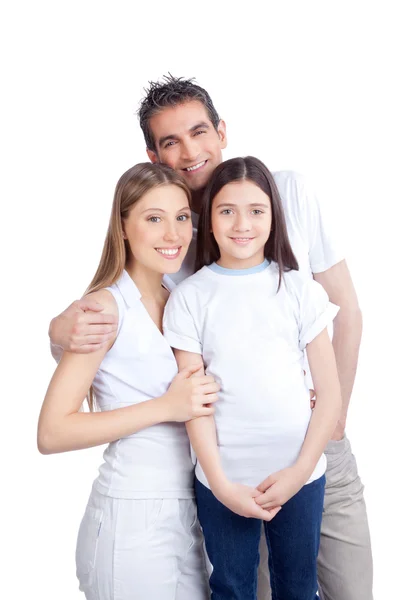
82 328
347 330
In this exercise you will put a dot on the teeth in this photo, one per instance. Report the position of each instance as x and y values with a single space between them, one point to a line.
168 251
242 239
196 166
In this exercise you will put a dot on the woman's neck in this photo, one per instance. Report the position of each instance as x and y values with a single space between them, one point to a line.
148 282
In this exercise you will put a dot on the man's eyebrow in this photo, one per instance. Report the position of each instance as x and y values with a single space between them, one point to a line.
174 136
202 125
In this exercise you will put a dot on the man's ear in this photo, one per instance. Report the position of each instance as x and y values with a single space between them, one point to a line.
222 134
152 156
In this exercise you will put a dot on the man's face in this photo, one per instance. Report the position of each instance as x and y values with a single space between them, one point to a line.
187 141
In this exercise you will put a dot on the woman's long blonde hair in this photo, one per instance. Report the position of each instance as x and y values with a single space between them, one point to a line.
131 187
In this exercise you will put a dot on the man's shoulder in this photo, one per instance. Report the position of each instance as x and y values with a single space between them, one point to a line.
290 184
288 176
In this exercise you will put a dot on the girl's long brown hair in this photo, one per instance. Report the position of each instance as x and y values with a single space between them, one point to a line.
249 168
131 187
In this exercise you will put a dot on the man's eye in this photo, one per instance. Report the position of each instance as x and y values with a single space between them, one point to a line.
172 143
154 219
199 132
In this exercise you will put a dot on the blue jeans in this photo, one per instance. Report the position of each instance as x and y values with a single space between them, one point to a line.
292 537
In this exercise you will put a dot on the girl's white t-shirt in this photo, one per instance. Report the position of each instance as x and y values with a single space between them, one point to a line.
252 339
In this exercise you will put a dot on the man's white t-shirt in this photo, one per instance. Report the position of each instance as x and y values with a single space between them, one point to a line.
252 338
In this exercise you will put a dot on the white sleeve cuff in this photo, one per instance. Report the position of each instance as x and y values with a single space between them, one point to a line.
319 324
330 261
181 342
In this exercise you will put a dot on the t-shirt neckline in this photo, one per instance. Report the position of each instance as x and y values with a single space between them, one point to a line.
238 272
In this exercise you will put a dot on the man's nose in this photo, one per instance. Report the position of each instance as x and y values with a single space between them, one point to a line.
190 150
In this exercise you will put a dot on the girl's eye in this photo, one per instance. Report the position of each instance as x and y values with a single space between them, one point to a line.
226 211
257 211
154 219
183 217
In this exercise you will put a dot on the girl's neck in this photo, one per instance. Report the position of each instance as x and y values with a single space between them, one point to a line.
149 282
231 262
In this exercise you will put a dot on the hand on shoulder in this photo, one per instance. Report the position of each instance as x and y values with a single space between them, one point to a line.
87 324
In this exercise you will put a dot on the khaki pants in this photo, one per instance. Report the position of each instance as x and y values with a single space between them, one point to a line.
345 559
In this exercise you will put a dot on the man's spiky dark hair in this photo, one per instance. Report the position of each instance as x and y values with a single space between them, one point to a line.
171 91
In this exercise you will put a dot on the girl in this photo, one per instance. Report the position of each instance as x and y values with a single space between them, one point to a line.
250 316
139 537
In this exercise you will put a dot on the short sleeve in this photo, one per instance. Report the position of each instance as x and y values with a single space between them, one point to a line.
179 326
316 312
324 248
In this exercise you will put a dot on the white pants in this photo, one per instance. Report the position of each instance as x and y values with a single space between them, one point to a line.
141 550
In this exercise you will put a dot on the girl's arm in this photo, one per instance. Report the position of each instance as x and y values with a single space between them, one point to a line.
62 427
281 486
203 438
201 431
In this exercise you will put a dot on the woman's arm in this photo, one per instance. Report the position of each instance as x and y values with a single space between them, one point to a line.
281 486
62 427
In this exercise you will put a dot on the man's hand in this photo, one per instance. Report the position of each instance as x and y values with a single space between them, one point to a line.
240 499
279 487
82 328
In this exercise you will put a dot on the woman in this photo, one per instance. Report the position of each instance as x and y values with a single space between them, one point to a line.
139 537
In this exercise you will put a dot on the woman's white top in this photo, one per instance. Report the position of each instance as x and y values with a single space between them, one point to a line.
154 462
252 339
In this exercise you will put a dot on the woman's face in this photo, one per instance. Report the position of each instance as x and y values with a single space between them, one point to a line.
241 218
159 229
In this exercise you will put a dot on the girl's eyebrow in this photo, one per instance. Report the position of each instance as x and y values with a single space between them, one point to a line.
252 204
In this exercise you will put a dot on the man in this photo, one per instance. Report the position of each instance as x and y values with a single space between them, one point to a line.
183 130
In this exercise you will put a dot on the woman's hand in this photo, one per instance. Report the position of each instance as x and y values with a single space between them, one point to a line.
189 396
279 487
241 499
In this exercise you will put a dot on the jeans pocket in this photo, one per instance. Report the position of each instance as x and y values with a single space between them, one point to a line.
86 547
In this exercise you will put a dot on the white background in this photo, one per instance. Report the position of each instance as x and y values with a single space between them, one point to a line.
309 86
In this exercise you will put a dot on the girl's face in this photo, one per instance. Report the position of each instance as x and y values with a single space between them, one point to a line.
159 229
241 219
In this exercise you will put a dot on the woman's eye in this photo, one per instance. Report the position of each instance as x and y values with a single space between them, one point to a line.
226 211
183 217
257 211
154 219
